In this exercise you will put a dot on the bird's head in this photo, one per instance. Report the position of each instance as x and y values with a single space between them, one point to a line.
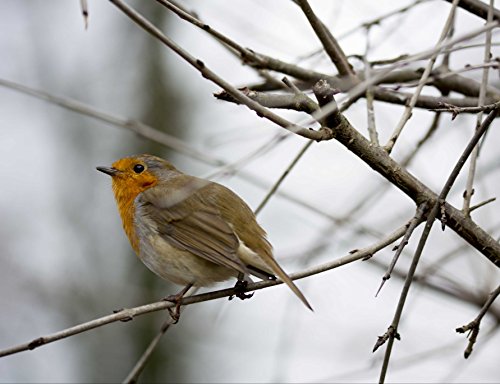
133 175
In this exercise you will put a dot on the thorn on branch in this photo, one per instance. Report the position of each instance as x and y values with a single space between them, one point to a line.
391 332
483 203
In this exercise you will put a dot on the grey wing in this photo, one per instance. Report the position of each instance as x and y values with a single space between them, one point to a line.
203 233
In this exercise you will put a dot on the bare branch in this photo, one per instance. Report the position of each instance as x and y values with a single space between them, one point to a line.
478 8
455 110
210 75
332 48
370 111
276 185
380 161
412 224
298 102
85 12
459 293
413 101
136 126
325 96
423 239
133 375
482 95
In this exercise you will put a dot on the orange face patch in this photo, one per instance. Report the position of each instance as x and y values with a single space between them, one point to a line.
132 178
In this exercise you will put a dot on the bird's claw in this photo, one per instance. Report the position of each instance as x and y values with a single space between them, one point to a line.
239 291
175 313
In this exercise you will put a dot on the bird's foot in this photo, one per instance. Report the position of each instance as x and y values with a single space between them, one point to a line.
175 313
239 290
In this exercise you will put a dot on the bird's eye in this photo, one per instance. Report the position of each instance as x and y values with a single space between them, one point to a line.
138 168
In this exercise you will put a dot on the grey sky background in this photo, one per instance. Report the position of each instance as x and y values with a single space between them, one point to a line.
65 260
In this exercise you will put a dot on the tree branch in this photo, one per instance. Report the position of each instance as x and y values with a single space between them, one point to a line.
381 162
199 65
332 48
478 8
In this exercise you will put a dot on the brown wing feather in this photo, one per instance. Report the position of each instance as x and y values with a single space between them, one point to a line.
202 232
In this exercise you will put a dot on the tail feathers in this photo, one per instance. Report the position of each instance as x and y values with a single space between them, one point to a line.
276 268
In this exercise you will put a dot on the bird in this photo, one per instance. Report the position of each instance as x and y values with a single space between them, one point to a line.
189 230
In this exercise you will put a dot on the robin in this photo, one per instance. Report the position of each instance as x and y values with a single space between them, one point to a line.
188 230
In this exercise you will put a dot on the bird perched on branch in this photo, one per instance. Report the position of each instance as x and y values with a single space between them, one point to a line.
188 230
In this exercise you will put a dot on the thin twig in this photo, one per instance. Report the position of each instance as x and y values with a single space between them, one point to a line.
478 8
425 234
386 75
231 168
295 101
440 79
380 94
370 112
469 188
276 185
131 313
200 66
135 126
272 191
481 204
376 21
133 375
193 19
473 326
457 110
457 291
412 224
409 108
290 101
332 48
85 12
298 94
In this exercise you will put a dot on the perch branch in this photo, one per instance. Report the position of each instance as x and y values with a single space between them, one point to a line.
130 313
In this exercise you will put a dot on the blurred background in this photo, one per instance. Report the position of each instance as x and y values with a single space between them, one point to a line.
64 258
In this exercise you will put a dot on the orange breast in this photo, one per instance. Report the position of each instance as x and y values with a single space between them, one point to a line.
125 198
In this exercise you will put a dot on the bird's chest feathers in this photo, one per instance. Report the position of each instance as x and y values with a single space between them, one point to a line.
125 200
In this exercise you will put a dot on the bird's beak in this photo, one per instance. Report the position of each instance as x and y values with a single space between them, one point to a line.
108 170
